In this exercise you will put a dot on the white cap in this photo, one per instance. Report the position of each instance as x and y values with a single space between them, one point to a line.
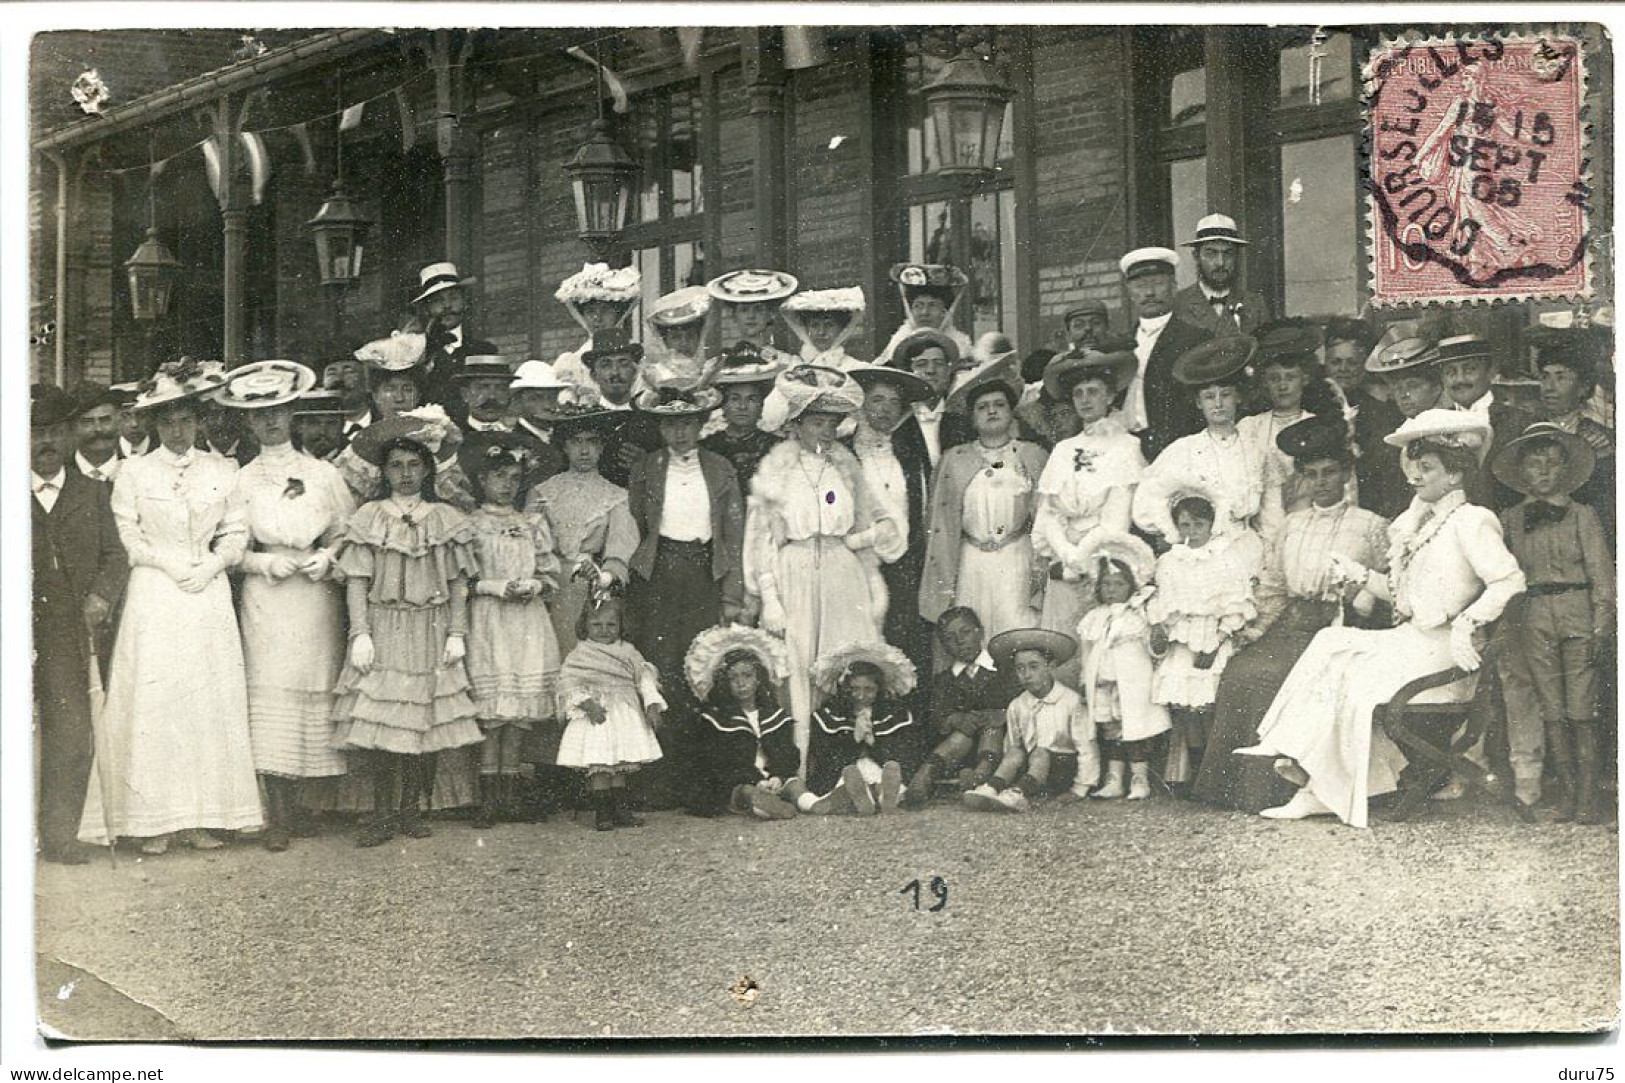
1148 260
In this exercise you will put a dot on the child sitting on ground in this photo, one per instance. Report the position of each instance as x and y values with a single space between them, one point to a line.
744 743
967 705
862 738
1049 742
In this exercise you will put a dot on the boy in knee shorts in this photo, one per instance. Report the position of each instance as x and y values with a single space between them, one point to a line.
966 706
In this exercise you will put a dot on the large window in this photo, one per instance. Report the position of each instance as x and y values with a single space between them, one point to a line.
666 227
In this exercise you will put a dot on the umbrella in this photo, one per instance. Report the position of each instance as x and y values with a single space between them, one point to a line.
98 739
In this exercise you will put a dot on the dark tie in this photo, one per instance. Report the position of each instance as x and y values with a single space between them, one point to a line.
1541 514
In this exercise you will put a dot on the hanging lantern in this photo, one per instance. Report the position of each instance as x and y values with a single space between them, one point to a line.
341 238
152 272
601 174
966 105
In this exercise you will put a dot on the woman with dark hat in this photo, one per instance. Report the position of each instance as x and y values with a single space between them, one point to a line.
930 293
180 762
291 611
1296 597
1292 387
743 376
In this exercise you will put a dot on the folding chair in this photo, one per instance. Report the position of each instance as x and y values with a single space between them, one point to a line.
1411 726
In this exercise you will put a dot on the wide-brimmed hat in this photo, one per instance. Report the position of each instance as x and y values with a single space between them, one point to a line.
437 277
485 366
428 425
1577 470
912 388
1216 227
396 352
754 285
319 400
566 419
942 280
1059 646
1126 549
672 403
847 300
611 342
832 667
498 449
1089 306
904 352
1066 370
1465 348
687 305
710 647
1318 437
745 363
177 380
600 282
537 376
1152 260
1293 340
801 389
261 384
1453 428
50 405
1004 372
1215 361
89 395
1407 353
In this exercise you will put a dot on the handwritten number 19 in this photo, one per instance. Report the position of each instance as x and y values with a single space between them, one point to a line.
939 889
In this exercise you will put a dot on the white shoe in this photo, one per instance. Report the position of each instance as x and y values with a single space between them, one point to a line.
982 799
1303 805
1114 787
1454 790
1013 800
1139 788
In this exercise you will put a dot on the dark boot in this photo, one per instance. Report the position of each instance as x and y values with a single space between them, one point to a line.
485 813
277 836
921 785
620 811
1588 810
603 810
1561 750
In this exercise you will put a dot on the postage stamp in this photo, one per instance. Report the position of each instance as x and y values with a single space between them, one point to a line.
1476 169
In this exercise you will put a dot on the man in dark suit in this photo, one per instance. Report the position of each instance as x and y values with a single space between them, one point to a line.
1155 406
1216 301
439 307
79 572
1468 366
688 569
96 430
614 362
1348 345
1568 361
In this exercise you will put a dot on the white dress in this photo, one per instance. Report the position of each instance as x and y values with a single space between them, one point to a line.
1229 466
1446 560
293 628
993 581
176 715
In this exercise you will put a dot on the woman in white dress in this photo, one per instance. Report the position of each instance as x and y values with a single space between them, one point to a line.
1087 488
291 608
815 535
1450 573
179 760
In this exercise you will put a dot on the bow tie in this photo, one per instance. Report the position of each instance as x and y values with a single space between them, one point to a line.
1541 514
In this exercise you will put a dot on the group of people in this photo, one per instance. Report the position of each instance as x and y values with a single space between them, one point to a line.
777 580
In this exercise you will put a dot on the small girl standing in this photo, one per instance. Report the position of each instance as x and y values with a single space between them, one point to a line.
403 693
513 655
1204 597
862 738
610 699
1117 666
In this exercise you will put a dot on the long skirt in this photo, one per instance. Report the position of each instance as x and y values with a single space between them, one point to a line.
1249 685
1322 717
176 717
293 646
996 586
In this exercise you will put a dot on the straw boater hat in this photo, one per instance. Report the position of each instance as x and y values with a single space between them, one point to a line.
1145 261
537 376
1066 370
260 384
428 425
1407 353
1464 348
912 388
1320 436
744 363
397 352
1059 646
673 403
1126 549
177 380
711 646
1005 373
319 400
613 342
1577 470
942 280
437 277
1215 361
485 366
922 339
687 305
809 388
752 286
1452 428
897 670
1216 227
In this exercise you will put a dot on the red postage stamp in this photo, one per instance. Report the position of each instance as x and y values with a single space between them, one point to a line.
1476 169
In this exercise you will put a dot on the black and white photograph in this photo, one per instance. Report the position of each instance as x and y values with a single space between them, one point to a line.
1092 525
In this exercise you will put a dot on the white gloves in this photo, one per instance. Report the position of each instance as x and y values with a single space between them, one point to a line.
1462 649
773 614
1341 570
361 652
455 650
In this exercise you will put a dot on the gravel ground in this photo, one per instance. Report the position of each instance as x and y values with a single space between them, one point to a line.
1157 918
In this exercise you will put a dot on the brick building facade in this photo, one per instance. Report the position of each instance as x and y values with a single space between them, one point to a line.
759 146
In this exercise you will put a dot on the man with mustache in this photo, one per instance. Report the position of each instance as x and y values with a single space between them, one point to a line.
1466 363
1216 301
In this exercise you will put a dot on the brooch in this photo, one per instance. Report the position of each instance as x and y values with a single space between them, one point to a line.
295 489
1083 459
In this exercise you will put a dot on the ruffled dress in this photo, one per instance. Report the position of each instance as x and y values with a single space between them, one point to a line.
1117 673
408 702
513 655
1203 598
614 676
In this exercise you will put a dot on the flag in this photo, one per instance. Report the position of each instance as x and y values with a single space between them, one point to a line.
690 39
805 47
350 119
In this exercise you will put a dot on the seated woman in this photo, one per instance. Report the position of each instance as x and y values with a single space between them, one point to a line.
1449 574
863 739
744 744
1296 598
